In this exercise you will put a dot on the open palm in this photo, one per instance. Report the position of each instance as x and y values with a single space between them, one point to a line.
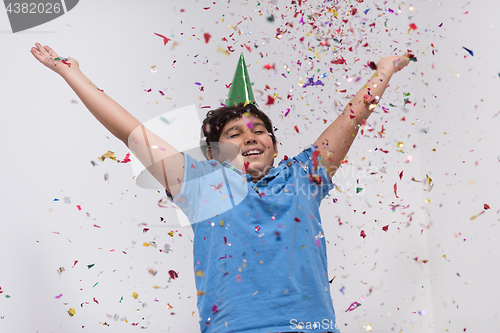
51 59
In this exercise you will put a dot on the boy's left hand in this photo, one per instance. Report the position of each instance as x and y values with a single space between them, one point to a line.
393 64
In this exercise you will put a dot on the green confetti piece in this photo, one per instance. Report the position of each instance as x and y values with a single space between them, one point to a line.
121 299
90 266
95 284
358 189
7 296
303 247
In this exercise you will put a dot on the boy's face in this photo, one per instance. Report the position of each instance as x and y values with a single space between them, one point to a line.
248 139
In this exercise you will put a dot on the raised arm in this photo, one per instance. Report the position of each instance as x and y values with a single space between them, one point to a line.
334 143
162 160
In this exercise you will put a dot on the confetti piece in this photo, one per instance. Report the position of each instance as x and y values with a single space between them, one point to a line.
60 270
109 154
396 190
296 129
165 39
96 301
173 274
71 312
486 206
353 306
385 228
413 26
207 37
90 266
59 296
470 51
135 295
362 234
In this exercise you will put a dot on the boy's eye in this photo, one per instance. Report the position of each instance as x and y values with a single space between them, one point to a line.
260 132
233 135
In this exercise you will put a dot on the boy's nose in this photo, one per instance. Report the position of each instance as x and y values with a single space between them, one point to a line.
249 136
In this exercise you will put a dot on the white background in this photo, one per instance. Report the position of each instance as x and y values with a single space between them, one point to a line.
434 268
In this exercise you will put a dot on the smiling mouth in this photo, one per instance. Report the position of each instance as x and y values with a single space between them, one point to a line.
253 154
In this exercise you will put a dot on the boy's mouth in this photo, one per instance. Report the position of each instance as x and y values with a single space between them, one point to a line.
253 152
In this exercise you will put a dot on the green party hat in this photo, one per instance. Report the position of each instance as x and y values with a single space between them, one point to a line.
241 88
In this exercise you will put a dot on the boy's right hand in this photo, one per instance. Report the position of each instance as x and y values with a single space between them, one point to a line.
50 59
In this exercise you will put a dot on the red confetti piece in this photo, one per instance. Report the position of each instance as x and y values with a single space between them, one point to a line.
372 65
76 261
384 151
486 206
207 37
225 256
315 156
96 301
79 207
413 26
297 220
270 100
126 159
385 228
245 167
396 189
145 230
340 61
269 66
362 234
401 175
296 129
225 240
165 39
173 274
257 228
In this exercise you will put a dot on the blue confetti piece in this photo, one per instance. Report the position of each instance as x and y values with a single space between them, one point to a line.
470 51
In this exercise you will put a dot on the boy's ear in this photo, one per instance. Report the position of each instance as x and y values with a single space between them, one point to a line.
209 153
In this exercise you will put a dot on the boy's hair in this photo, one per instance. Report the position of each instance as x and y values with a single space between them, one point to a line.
216 119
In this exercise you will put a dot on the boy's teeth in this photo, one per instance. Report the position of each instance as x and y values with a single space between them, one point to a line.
252 152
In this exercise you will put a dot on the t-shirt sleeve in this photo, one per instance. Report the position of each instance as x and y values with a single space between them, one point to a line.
189 197
312 173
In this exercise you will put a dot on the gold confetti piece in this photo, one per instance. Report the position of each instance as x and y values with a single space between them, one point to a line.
303 247
429 180
71 312
109 154
221 50
400 144
146 244
200 293
60 270
135 295
222 222
444 256
428 200
199 273
171 233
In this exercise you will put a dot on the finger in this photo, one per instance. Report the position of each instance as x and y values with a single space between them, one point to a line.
51 52
42 50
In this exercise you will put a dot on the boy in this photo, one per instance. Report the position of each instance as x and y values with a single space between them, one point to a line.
259 251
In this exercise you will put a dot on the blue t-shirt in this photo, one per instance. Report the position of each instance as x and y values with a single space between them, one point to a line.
259 251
